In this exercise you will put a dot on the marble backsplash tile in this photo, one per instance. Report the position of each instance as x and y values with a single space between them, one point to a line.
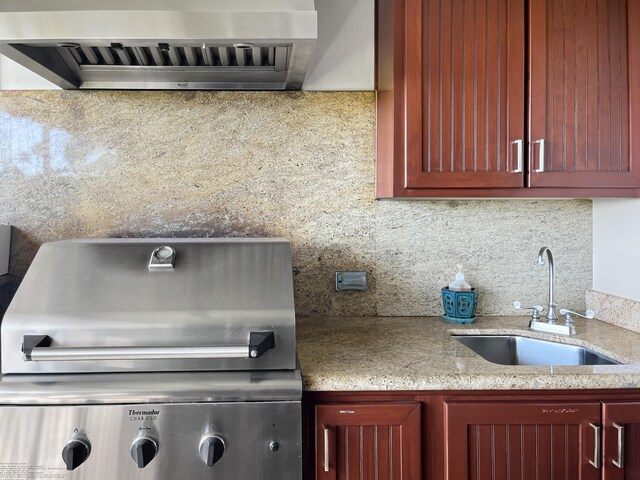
290 164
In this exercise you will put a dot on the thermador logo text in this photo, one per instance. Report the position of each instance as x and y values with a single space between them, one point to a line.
143 412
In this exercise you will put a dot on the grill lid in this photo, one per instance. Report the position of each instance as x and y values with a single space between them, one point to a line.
115 305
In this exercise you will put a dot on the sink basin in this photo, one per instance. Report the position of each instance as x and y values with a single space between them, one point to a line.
514 350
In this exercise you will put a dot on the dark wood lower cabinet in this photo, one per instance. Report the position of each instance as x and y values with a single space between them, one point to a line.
621 440
491 435
368 441
518 441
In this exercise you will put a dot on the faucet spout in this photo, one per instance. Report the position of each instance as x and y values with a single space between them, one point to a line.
552 317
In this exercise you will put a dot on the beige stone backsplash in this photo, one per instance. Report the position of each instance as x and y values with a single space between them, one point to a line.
618 311
290 164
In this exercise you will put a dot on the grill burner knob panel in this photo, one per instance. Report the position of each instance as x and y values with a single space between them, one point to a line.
75 452
211 449
143 450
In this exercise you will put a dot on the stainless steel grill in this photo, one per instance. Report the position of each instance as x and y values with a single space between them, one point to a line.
152 359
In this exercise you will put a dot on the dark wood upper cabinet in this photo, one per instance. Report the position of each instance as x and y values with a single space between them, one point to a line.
580 88
489 98
465 91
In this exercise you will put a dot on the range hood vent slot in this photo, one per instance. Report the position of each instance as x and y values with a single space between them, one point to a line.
117 54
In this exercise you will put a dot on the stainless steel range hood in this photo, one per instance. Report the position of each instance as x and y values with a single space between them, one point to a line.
162 44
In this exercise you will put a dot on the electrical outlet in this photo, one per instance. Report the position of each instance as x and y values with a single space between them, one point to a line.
351 281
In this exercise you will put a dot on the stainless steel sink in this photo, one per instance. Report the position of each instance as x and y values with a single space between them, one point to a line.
514 350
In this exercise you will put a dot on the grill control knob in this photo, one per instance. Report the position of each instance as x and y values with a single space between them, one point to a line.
75 452
211 449
143 450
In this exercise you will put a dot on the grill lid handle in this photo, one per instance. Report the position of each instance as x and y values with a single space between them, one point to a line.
29 342
37 348
260 342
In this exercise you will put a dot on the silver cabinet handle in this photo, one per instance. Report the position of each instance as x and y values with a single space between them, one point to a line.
520 155
596 446
540 168
36 348
326 449
620 462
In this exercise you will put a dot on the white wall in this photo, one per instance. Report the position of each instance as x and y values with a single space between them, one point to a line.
343 59
344 55
616 247
16 77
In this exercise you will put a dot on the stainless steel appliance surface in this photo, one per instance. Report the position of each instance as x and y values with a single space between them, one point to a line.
110 305
94 388
162 44
515 350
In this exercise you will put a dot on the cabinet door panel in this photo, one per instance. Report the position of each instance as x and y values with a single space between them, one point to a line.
495 441
627 417
632 451
368 441
464 71
580 86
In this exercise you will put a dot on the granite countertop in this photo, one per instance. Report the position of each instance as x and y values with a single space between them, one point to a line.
418 353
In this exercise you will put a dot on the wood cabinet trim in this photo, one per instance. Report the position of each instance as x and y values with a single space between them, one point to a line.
523 412
392 413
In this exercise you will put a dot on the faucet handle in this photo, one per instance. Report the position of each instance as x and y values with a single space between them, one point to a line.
536 310
589 314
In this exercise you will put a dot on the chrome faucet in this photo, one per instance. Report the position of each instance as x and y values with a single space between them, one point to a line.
552 317
551 325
